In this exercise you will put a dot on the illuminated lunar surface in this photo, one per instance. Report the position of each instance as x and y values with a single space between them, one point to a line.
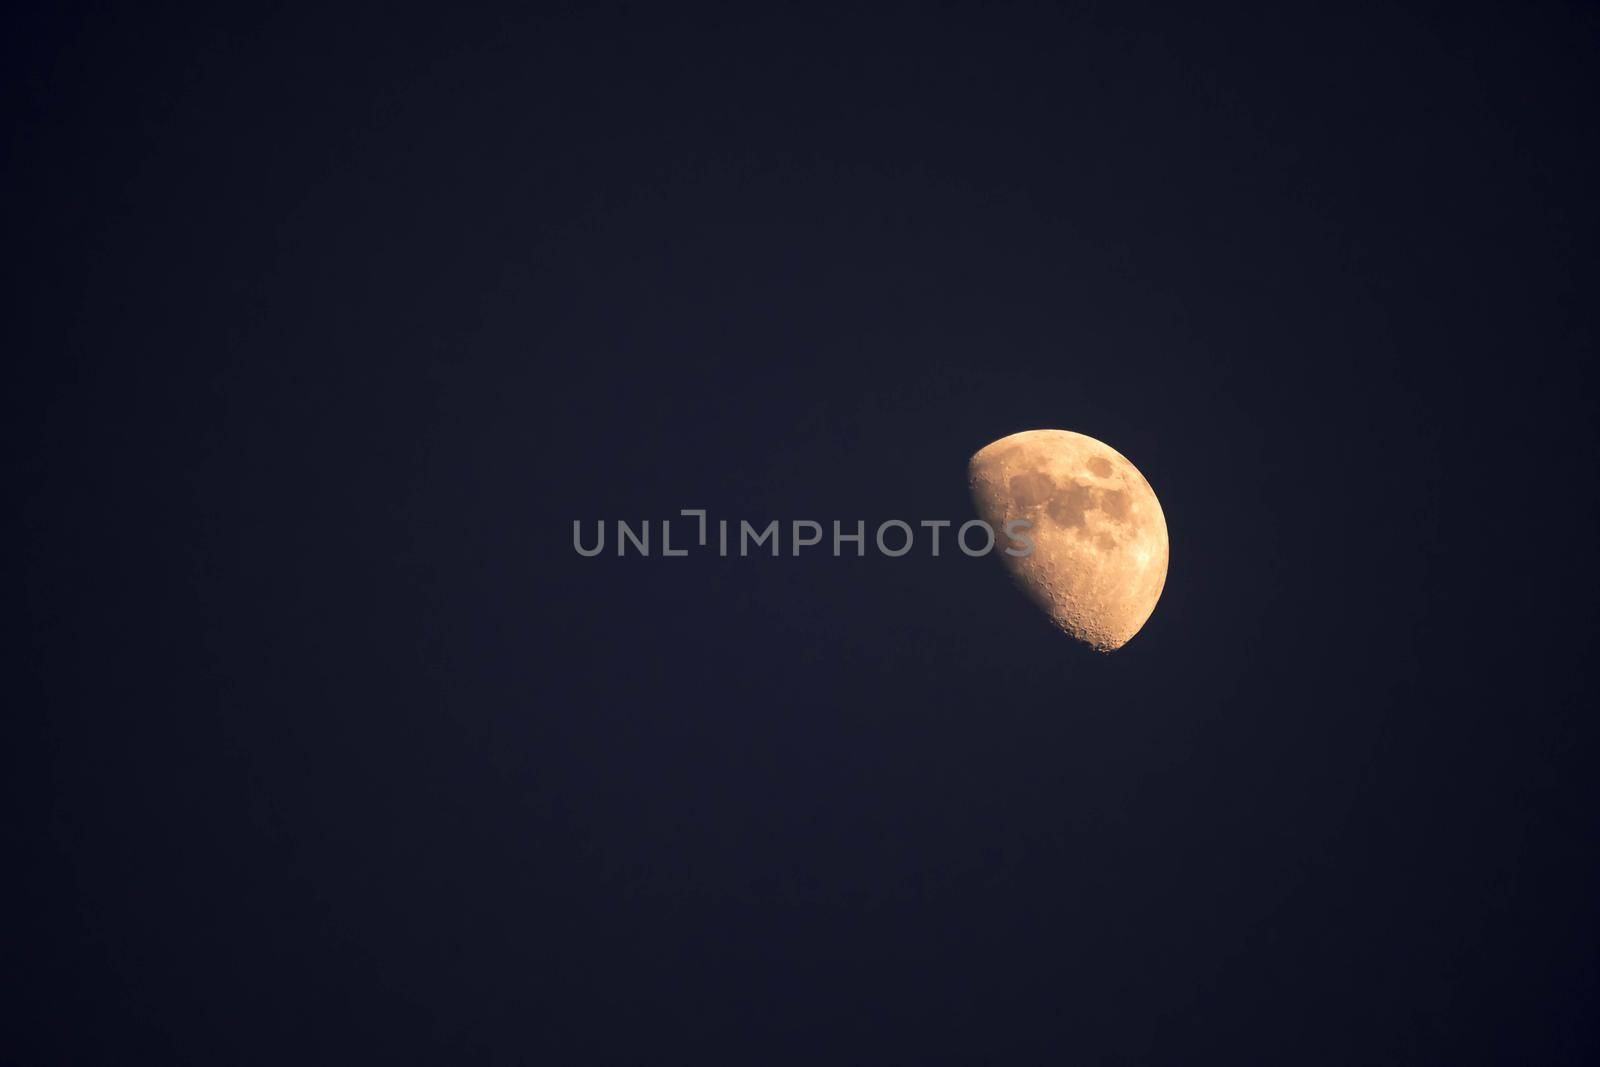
1100 540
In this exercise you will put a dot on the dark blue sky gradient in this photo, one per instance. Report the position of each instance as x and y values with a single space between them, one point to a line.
328 748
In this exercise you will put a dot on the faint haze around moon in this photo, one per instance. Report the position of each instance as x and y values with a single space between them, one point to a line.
1099 561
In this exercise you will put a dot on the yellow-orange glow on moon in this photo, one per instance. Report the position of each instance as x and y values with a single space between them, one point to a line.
1099 561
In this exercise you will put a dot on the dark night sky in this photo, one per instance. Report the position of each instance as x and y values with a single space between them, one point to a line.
327 747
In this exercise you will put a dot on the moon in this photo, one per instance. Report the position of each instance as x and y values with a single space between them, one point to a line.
1099 560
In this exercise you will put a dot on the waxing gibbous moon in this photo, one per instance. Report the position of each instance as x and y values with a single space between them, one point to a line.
1099 560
